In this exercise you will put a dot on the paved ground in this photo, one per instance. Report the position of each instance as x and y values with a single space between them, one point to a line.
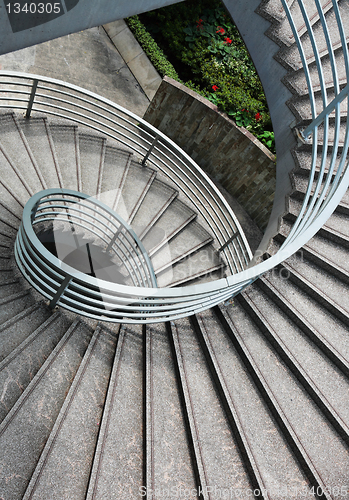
87 59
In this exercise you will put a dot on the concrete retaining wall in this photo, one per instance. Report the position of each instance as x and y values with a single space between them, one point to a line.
232 156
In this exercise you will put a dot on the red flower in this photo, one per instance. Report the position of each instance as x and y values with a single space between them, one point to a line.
220 30
258 116
228 40
215 88
199 25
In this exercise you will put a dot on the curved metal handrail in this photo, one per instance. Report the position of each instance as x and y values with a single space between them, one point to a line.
46 272
326 186
54 97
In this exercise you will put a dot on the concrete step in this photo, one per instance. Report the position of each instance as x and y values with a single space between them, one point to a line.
17 328
64 466
66 144
21 158
11 305
291 55
283 31
302 310
120 440
165 425
273 10
135 188
185 243
301 107
301 180
176 217
296 80
336 228
208 424
26 428
9 225
265 451
329 291
323 249
38 135
319 377
157 200
201 266
290 404
91 152
21 365
11 201
115 168
9 287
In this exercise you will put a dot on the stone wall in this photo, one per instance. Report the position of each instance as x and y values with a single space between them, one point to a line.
232 156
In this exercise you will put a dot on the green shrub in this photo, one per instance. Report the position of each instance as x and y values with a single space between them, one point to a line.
205 52
151 48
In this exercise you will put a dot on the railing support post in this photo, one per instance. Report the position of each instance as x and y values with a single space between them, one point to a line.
60 291
31 99
153 144
113 240
232 238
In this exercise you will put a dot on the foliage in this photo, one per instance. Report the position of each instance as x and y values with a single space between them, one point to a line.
267 138
207 54
151 48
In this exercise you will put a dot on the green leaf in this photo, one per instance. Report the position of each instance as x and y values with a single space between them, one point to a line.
188 30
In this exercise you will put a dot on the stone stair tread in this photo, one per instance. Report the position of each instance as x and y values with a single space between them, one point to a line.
291 54
64 465
38 136
91 152
173 220
20 156
116 161
65 140
9 221
183 244
300 187
301 106
297 82
121 425
336 225
14 190
330 250
15 330
283 32
21 365
138 181
9 288
26 428
156 201
310 311
200 264
272 10
14 304
208 423
321 279
165 426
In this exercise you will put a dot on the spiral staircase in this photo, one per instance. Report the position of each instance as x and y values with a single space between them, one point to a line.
246 399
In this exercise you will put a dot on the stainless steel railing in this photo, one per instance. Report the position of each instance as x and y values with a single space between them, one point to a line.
53 97
75 212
